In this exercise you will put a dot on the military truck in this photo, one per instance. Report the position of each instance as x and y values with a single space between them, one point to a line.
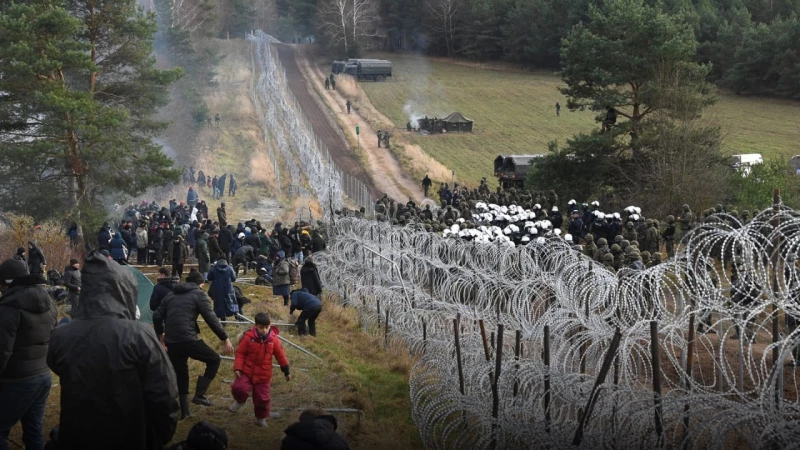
365 69
512 170
339 66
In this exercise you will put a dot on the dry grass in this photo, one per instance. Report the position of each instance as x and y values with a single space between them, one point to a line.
18 230
354 372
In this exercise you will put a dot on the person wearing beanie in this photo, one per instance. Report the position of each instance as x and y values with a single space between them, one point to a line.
20 255
27 316
203 436
175 322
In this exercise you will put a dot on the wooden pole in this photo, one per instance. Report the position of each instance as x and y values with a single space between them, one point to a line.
546 358
485 341
517 350
657 381
457 337
601 377
687 382
386 330
496 384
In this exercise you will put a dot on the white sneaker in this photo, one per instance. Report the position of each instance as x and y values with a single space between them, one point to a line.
236 406
261 423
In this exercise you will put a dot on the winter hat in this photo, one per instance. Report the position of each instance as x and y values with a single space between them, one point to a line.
11 269
205 436
281 254
195 277
21 251
240 236
73 261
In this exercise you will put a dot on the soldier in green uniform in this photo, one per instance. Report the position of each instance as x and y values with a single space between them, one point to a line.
629 234
380 138
652 244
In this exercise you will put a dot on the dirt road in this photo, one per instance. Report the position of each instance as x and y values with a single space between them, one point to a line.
384 170
324 126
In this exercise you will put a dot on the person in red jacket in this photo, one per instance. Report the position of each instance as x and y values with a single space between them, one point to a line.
253 367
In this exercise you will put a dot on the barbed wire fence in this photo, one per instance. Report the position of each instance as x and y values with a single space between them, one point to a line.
541 346
286 127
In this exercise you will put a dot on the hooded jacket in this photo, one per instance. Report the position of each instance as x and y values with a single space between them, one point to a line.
318 433
35 259
244 254
103 238
161 290
118 246
302 300
221 290
280 273
141 238
27 315
178 312
214 250
254 355
177 253
309 278
201 251
225 239
118 388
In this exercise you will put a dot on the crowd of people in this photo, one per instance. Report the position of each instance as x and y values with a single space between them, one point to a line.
216 184
135 387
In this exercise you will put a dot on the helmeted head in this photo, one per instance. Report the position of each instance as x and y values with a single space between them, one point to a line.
602 242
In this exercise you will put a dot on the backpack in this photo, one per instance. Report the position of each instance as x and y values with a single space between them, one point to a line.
294 272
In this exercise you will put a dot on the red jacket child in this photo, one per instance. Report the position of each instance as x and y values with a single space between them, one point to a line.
253 367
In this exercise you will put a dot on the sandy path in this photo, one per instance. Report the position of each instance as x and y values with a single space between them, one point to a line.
385 171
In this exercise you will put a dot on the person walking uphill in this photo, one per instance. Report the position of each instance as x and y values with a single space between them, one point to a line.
310 306
202 253
118 388
253 367
175 321
27 316
221 290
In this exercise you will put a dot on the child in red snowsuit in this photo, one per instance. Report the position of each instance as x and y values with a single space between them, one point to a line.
253 367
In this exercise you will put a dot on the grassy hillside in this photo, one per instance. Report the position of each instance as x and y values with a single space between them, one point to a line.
515 113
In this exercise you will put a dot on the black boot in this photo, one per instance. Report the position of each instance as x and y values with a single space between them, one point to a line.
200 392
184 400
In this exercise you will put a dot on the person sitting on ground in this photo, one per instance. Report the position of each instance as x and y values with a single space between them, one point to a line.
27 316
315 430
203 436
175 322
311 307
253 367
118 388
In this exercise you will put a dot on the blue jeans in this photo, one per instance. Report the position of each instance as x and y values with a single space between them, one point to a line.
299 257
24 401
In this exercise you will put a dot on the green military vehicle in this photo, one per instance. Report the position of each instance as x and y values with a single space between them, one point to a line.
364 69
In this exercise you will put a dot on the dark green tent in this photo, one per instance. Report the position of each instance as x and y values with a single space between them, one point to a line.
456 122
143 298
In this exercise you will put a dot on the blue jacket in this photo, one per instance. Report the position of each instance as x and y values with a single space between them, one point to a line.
191 196
221 291
302 299
118 246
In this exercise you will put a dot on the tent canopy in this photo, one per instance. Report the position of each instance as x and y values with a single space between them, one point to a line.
457 122
143 300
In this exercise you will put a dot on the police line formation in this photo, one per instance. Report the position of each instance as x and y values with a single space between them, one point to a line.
541 343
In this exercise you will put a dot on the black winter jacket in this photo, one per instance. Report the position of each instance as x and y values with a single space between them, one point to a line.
309 278
178 313
72 279
214 250
118 388
161 289
35 259
253 241
225 239
27 315
316 434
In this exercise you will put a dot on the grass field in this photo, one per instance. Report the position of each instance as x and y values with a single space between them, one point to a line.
514 113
